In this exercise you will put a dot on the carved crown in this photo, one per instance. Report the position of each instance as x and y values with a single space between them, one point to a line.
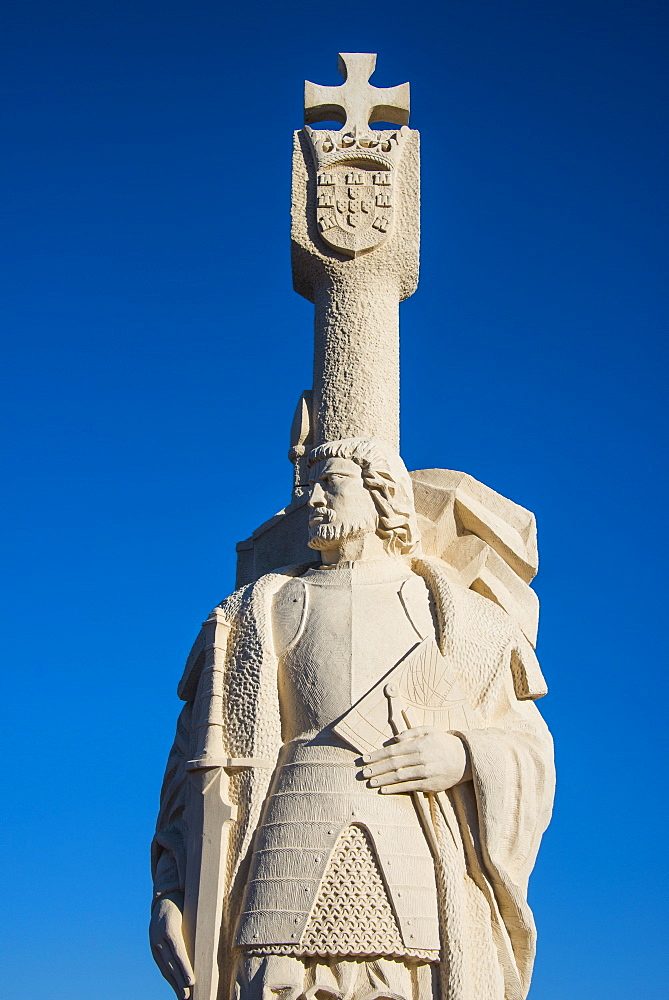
332 147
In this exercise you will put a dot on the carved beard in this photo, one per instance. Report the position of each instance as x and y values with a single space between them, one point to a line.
329 534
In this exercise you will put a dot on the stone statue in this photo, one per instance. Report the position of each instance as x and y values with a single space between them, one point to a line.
360 779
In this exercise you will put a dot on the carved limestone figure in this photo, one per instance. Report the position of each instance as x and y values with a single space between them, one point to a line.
333 887
360 778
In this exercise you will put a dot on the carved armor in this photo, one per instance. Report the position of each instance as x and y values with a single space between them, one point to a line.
337 631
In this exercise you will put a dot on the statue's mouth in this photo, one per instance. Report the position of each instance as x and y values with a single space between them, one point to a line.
320 517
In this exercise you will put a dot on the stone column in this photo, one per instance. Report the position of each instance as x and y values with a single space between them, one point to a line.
356 358
355 256
355 246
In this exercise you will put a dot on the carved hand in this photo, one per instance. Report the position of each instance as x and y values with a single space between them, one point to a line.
168 947
419 760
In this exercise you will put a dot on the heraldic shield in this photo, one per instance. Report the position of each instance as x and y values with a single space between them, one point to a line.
355 206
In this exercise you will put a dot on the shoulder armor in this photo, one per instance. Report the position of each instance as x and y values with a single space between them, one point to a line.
289 610
417 602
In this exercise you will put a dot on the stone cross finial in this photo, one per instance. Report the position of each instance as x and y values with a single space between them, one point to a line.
356 103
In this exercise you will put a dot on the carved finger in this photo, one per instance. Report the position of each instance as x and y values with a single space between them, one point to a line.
390 764
163 966
182 989
410 733
424 785
387 751
401 774
390 751
183 992
175 974
183 970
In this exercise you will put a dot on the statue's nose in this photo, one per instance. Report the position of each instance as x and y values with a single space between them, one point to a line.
317 498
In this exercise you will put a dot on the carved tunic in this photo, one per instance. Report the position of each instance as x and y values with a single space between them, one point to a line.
329 844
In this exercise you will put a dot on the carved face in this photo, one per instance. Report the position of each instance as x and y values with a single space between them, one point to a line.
341 506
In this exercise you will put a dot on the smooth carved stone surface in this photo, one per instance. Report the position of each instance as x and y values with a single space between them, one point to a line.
356 103
489 542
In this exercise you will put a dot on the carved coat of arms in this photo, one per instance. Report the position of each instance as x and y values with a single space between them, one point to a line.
355 206
355 187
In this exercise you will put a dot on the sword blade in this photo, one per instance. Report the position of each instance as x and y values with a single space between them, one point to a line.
209 817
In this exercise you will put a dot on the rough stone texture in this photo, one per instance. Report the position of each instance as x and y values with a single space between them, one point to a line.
356 321
352 902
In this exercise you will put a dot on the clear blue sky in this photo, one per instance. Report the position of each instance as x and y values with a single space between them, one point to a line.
154 351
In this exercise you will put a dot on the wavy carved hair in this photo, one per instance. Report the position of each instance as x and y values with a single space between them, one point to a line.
385 475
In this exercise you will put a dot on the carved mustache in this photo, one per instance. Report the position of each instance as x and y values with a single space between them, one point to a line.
322 516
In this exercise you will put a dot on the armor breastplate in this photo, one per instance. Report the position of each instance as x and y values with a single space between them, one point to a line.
346 629
350 625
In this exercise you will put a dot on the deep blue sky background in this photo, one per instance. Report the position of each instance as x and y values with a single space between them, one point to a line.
154 352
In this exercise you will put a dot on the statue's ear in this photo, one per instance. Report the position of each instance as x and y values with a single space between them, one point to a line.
528 679
194 664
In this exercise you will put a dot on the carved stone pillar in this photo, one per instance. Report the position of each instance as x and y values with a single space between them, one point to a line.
355 240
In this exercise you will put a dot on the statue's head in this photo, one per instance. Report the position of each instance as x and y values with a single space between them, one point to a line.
360 485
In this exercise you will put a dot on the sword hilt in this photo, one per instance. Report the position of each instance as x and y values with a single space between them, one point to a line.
392 693
421 800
